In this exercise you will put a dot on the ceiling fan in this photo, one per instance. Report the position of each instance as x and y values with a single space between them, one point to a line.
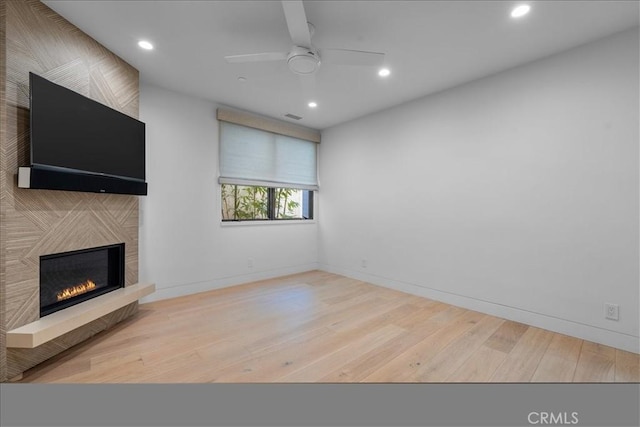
304 58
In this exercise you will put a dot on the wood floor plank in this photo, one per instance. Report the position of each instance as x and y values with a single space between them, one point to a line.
369 362
388 312
272 334
479 367
447 361
61 368
406 367
324 319
127 365
627 367
595 366
507 336
360 290
600 349
321 327
270 344
433 315
417 329
169 370
271 365
522 361
558 364
370 342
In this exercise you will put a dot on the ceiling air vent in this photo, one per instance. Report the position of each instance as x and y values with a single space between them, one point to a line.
292 116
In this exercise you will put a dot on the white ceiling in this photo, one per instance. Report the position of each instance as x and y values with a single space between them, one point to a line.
429 46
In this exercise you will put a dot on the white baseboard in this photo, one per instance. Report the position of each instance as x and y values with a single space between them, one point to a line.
567 327
179 290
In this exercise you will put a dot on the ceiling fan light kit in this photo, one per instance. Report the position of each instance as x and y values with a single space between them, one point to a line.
303 61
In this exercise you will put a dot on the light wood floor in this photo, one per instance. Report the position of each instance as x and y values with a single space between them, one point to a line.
320 327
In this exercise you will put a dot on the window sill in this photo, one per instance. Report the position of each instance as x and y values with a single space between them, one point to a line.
267 223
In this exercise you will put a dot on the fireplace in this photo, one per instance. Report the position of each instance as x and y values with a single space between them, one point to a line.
72 277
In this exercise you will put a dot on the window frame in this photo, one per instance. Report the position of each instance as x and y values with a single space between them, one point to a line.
271 206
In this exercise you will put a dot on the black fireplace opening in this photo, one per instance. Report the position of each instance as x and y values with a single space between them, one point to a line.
72 277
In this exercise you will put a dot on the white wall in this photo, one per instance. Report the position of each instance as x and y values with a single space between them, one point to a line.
183 246
515 195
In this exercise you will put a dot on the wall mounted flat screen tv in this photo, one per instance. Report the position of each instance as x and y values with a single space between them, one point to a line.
73 134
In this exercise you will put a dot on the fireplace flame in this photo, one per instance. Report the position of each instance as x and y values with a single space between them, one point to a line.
76 290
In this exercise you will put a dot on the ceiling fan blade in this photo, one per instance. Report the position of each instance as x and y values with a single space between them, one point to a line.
352 57
257 57
297 22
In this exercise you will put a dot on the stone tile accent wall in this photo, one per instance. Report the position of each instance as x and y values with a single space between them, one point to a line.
38 222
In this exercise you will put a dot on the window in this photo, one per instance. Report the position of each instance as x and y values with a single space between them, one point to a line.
241 202
265 175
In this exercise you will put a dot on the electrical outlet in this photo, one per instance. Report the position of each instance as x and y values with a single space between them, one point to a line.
363 263
611 311
249 262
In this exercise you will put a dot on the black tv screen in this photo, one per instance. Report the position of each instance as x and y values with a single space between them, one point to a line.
71 131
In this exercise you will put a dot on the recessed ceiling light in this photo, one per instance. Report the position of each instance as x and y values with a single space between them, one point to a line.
312 104
242 79
520 10
384 72
145 45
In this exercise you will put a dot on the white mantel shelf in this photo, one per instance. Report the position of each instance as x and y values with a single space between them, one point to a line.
59 323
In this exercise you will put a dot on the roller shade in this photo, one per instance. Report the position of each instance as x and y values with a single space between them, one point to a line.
250 156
